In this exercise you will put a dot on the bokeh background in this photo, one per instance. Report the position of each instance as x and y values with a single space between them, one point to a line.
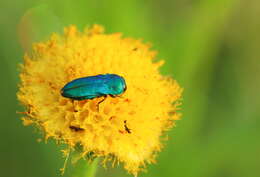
211 47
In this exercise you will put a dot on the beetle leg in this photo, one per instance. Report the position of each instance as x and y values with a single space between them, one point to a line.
104 97
113 96
73 103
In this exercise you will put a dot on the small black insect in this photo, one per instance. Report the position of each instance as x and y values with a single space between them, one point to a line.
77 129
126 128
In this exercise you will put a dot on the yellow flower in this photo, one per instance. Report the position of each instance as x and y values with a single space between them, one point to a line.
129 127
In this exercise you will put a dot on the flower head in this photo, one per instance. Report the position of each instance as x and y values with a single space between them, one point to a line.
128 127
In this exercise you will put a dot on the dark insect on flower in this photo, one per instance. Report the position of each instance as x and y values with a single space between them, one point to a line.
126 128
76 129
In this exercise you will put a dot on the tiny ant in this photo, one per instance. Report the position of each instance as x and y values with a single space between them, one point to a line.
76 128
126 128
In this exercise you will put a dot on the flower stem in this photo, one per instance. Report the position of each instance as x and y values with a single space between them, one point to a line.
85 169
92 168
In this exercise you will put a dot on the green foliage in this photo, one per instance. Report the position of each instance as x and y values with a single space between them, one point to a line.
210 46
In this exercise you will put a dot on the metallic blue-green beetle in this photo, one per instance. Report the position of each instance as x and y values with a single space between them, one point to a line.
94 86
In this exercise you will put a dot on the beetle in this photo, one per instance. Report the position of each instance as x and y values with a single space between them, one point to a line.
94 86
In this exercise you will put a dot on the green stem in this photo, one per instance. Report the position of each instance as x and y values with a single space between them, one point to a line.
92 168
85 169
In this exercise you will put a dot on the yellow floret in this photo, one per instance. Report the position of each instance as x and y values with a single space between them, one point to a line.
127 127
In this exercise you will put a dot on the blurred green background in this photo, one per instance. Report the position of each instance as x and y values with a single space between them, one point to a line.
211 47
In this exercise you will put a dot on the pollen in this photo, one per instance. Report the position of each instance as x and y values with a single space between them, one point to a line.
128 128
